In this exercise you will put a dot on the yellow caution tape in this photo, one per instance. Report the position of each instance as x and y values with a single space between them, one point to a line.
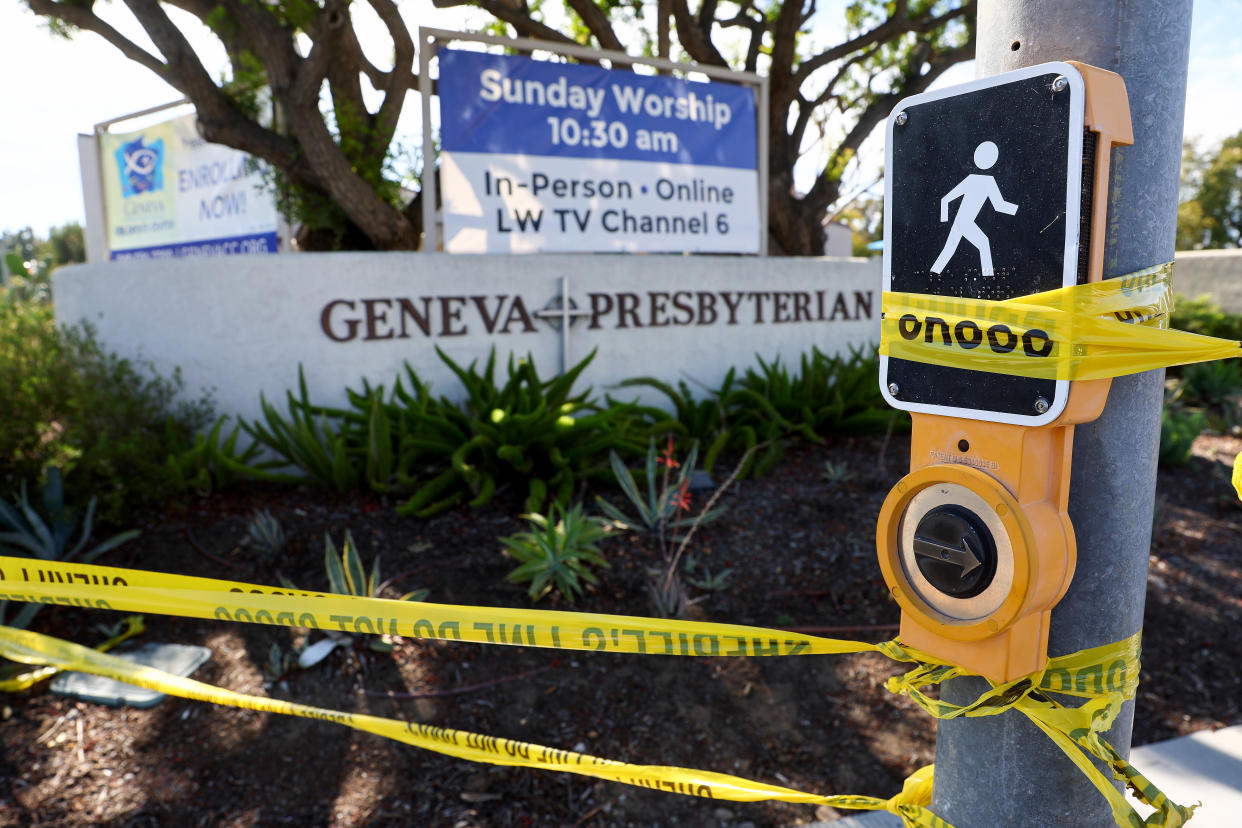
132 626
134 590
1103 329
1106 676
33 648
1237 474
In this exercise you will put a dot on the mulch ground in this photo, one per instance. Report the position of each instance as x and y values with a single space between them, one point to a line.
800 549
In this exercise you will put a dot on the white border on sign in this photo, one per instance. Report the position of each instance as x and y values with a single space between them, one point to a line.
1073 200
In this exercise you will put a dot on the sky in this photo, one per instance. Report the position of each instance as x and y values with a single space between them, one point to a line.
54 89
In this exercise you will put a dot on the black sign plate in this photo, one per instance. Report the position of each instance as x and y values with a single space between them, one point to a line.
984 200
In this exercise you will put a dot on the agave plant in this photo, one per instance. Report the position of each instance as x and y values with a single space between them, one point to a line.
49 536
346 576
559 553
266 534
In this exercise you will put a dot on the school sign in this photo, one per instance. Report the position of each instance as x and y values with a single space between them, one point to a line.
542 156
167 193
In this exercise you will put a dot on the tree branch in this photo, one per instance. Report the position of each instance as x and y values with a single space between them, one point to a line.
525 25
898 24
697 44
85 19
595 19
806 108
402 66
757 28
877 110
381 79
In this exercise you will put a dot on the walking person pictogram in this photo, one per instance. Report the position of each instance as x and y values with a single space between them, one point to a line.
974 190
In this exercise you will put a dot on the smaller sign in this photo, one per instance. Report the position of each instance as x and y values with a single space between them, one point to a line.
167 193
548 156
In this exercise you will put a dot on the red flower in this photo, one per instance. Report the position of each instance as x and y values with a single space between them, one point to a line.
666 457
682 498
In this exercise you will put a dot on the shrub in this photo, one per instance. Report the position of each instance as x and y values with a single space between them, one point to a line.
1212 385
1178 429
1203 316
105 421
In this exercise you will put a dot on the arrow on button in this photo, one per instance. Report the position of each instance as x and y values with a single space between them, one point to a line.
961 555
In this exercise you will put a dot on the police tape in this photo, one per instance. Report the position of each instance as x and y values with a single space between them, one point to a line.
1237 475
130 627
1106 676
1092 331
31 647
134 590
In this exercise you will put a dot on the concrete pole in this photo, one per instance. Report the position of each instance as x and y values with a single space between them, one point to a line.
1001 770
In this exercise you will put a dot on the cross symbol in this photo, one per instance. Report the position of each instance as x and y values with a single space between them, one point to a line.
561 312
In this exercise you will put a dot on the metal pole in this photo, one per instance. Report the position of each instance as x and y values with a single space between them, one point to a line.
1001 770
427 42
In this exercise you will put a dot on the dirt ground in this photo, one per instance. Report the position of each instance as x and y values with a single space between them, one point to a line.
800 547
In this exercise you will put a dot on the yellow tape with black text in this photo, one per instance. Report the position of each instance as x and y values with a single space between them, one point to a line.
1106 676
1103 329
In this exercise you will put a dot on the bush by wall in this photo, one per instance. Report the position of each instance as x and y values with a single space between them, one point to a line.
103 420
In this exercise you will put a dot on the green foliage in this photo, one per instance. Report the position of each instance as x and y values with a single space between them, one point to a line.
1203 316
108 423
827 395
49 536
209 463
1216 387
837 472
437 453
1210 213
1178 429
558 553
30 259
346 576
701 576
522 431
662 511
309 439
1211 384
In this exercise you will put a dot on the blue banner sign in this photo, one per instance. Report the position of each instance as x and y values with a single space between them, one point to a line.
549 156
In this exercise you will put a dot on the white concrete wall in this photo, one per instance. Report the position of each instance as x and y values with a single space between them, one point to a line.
1213 273
241 325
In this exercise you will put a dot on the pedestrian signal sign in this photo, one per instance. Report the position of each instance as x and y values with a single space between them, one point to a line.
987 196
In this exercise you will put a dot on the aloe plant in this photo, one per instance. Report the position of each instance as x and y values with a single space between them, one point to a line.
309 439
213 461
663 503
519 430
265 533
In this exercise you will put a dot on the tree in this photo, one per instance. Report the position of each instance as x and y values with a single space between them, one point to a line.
1210 212
824 97
67 244
285 57
335 168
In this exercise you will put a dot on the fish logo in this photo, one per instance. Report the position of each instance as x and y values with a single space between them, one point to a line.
141 166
